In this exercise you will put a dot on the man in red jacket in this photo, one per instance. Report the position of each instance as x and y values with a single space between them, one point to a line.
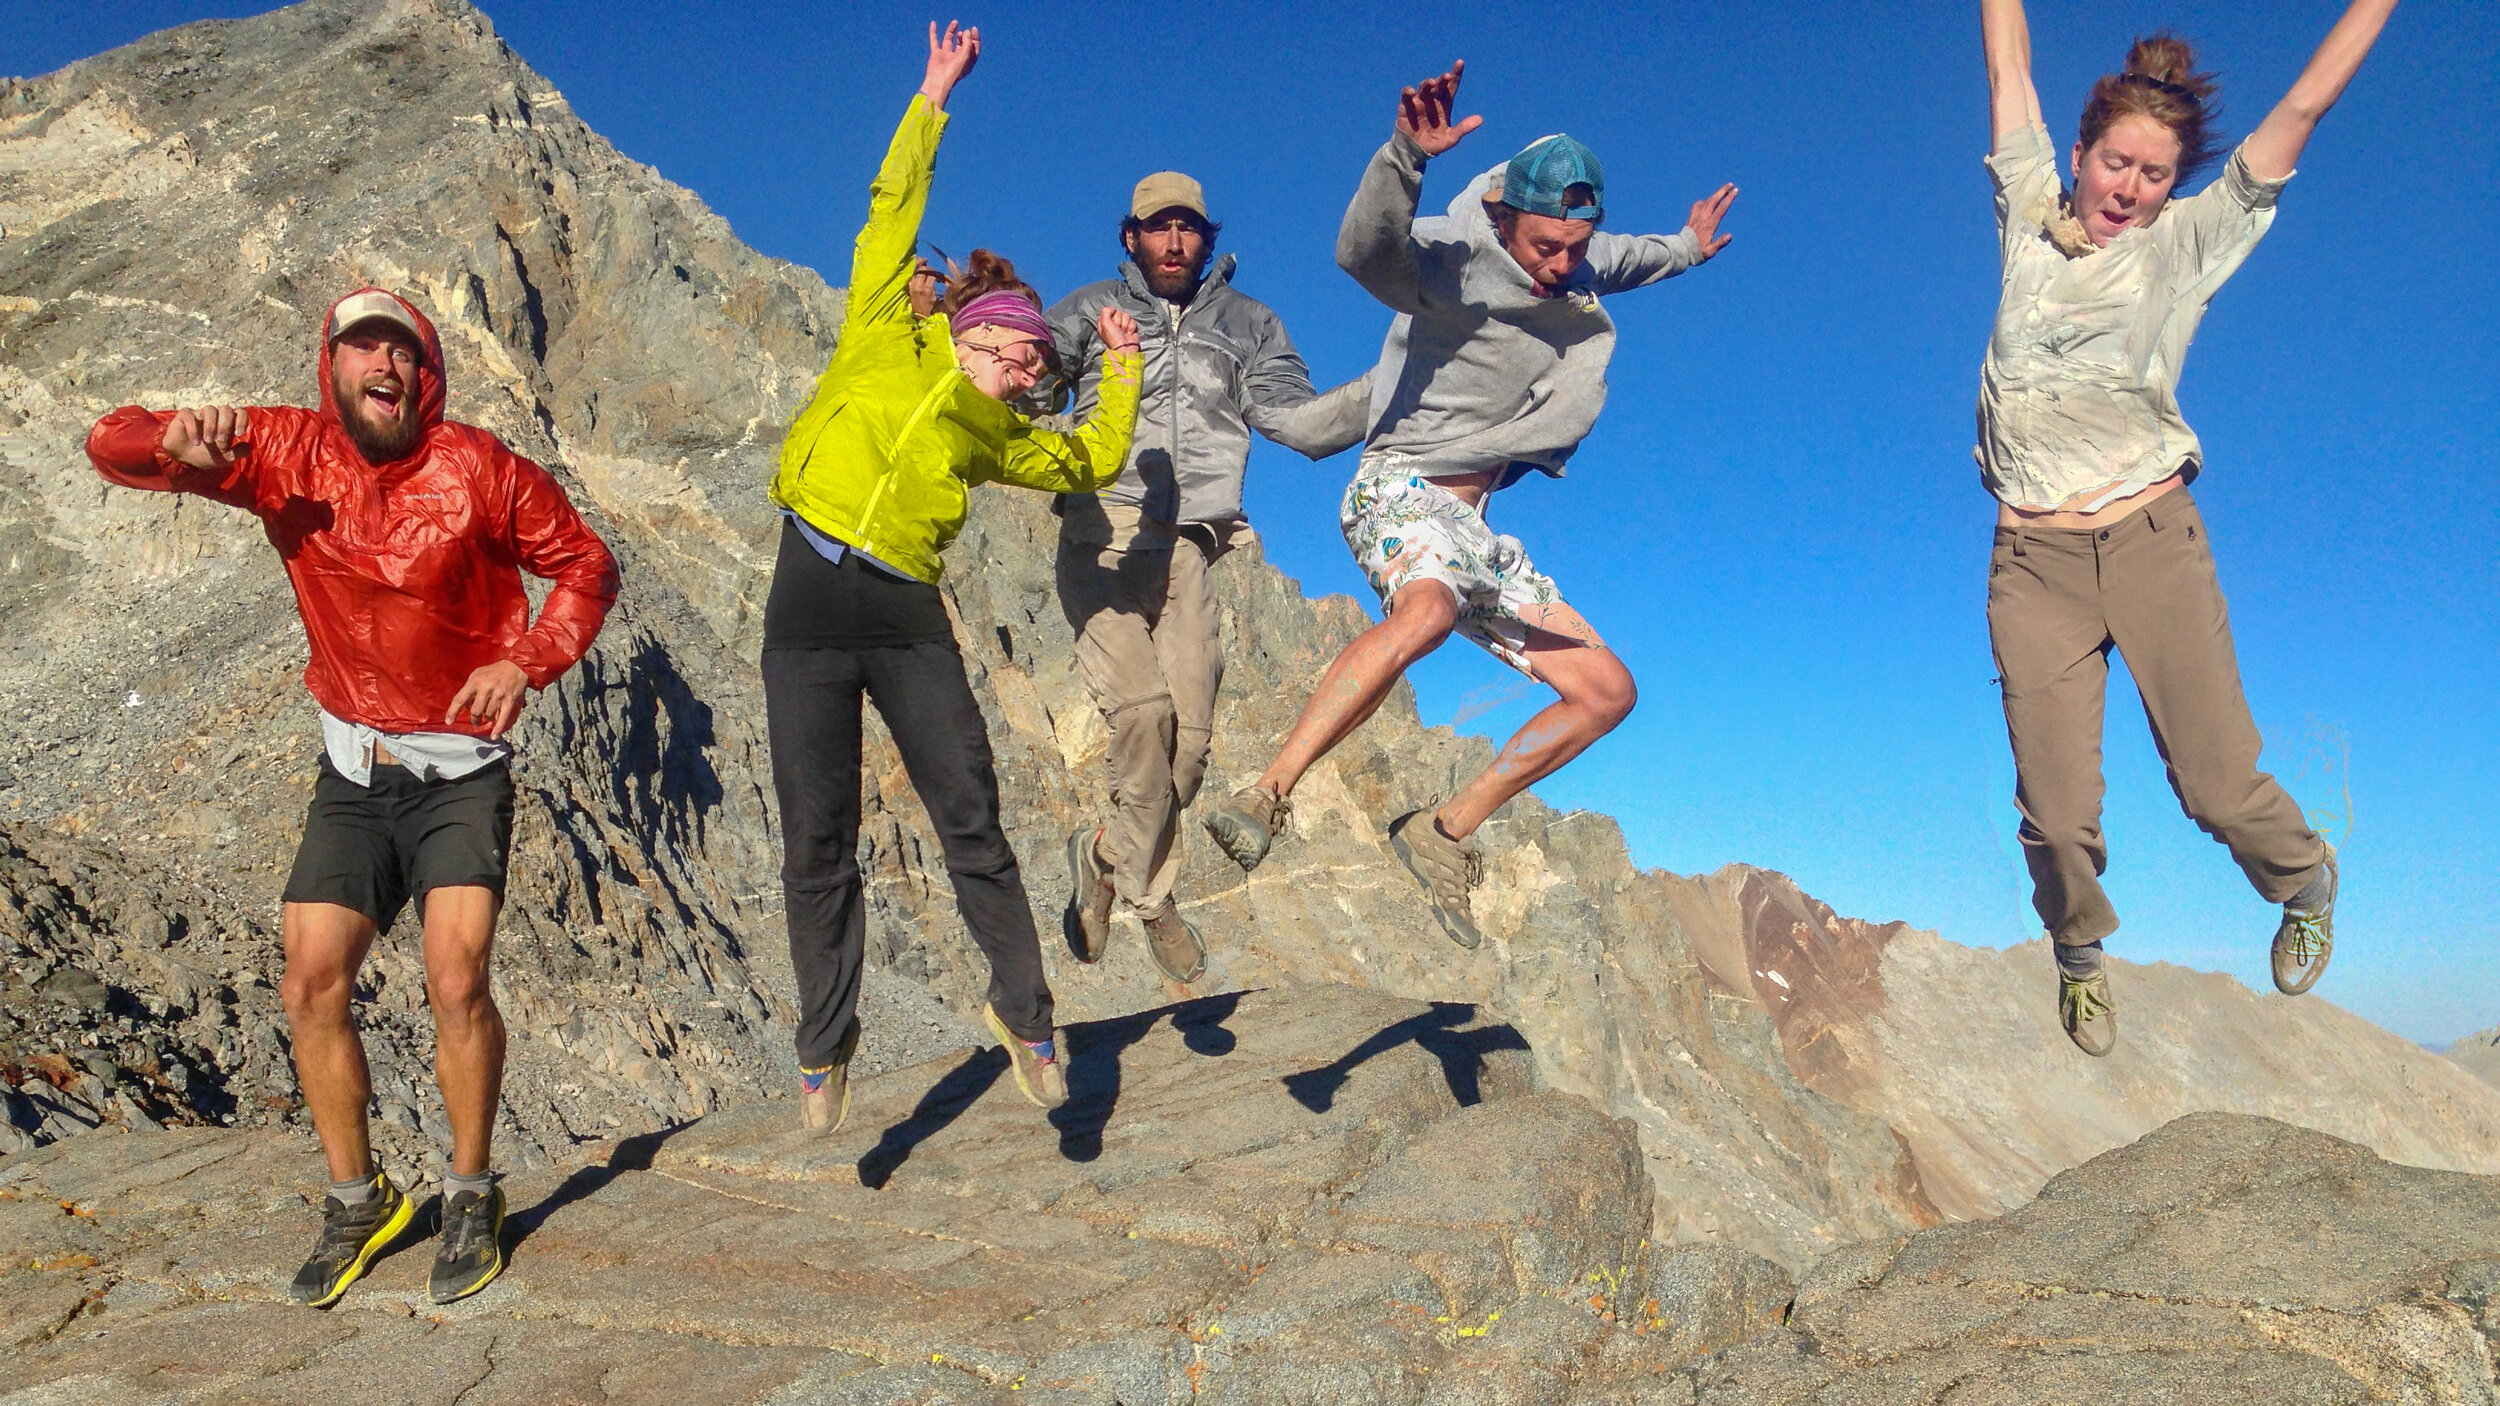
404 535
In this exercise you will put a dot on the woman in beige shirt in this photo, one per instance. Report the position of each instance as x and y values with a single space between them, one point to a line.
2099 545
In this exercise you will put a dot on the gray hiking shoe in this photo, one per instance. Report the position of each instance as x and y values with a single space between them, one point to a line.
1177 948
472 1251
1247 823
2085 1009
1447 867
350 1237
1090 895
2306 937
1043 1081
825 1094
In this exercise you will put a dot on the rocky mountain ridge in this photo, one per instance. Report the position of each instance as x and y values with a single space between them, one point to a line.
174 215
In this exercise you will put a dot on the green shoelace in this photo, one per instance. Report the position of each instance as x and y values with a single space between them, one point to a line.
2083 1002
2309 935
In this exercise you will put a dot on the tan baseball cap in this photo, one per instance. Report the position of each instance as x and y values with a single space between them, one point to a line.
1167 190
368 306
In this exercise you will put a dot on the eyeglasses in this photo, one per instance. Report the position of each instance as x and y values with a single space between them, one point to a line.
1027 361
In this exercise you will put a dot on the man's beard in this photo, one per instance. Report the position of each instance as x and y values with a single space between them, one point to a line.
1175 288
380 442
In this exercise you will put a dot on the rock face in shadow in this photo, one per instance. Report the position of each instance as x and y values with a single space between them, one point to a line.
1314 1195
175 215
2221 1259
1954 1048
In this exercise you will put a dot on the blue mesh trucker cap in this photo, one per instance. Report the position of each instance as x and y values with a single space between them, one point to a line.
1538 178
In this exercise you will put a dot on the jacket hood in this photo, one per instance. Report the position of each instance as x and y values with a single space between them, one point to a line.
429 388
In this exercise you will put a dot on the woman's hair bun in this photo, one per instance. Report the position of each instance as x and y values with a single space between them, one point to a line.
2167 58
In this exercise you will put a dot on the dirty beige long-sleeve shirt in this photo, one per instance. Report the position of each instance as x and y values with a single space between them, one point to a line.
2078 397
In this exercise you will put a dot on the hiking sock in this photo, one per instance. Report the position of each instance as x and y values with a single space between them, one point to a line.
1047 1049
2314 894
357 1192
456 1182
813 1079
2079 960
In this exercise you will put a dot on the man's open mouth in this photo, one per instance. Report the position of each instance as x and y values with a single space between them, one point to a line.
385 399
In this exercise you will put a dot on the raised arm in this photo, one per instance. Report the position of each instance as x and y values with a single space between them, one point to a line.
2005 37
1375 243
2274 148
1090 456
206 451
885 257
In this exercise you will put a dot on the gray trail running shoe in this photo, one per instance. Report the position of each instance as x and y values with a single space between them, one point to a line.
1447 867
2305 939
1089 897
472 1252
1042 1081
2085 1009
1247 823
1177 948
824 1102
350 1237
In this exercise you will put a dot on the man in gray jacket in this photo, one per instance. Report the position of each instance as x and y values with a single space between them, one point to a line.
1494 367
1133 560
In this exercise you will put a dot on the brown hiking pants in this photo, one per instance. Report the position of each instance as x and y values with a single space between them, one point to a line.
2059 599
1149 643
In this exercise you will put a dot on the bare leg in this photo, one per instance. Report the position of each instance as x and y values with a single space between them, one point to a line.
325 945
1420 617
1597 693
468 1029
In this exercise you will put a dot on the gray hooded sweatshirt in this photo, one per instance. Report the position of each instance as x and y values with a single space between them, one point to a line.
1481 370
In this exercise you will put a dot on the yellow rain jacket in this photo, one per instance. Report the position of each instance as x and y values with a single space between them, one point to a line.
897 434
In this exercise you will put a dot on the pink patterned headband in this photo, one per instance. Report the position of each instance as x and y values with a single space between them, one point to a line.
1011 310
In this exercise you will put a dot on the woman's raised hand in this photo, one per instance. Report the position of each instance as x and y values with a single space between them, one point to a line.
1117 329
1424 112
951 56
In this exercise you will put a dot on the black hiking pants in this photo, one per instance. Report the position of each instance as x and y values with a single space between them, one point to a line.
812 709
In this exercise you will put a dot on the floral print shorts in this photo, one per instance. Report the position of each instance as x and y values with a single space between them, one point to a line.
1405 528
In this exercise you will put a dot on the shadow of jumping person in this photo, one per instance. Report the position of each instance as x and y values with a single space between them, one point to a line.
1461 1053
633 1154
945 1101
1094 1078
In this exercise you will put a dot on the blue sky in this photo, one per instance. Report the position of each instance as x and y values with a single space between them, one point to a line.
1777 522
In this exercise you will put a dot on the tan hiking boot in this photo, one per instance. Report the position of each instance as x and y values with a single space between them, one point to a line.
825 1094
1177 948
1041 1079
1447 867
1247 823
1090 895
2306 937
2085 1009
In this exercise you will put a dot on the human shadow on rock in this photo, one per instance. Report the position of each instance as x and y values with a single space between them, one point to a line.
633 1154
945 1101
1461 1052
1094 1063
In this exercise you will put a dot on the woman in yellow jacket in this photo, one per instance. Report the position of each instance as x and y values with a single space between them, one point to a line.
911 414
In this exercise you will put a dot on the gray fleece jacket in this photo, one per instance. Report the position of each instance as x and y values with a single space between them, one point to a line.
1480 370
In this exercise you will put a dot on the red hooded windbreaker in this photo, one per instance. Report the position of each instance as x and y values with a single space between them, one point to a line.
408 575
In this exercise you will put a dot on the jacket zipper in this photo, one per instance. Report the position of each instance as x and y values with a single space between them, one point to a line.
893 457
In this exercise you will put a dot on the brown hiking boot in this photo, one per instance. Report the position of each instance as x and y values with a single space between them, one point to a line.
1447 867
1090 895
2306 937
2085 1009
825 1094
1177 948
1043 1081
1247 823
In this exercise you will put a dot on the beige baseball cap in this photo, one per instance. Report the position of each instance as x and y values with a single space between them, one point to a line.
369 305
1167 190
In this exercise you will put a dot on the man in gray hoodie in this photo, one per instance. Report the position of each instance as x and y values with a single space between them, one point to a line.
1133 561
1494 367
